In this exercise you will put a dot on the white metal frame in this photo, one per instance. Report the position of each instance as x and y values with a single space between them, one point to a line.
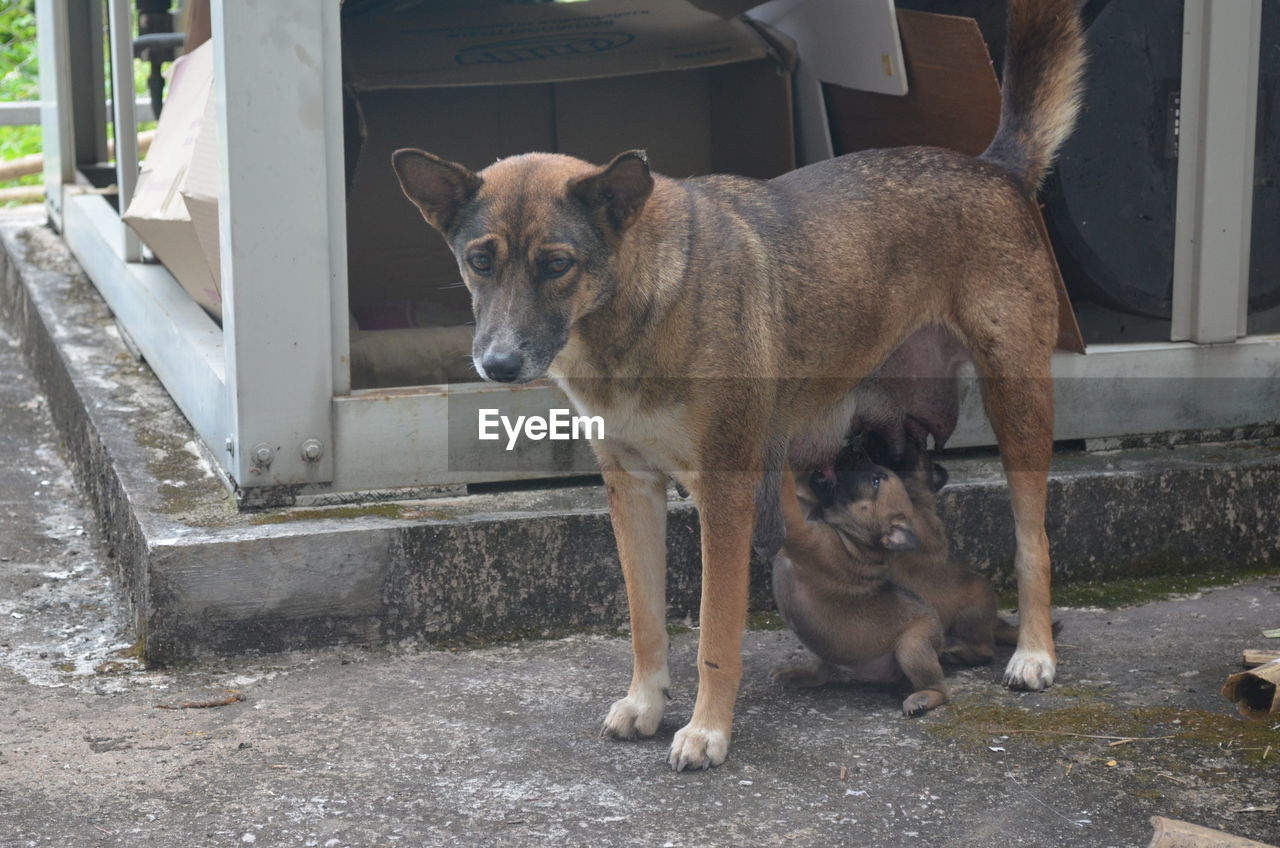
1221 40
275 378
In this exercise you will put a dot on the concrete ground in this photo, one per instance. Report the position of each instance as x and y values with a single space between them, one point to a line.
500 746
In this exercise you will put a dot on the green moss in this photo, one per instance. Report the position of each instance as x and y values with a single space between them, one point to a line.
184 493
282 516
136 651
1144 588
975 719
678 628
378 510
765 620
113 667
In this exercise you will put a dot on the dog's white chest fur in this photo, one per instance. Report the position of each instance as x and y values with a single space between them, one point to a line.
659 437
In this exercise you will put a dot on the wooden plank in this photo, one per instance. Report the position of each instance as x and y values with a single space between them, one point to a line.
1253 657
1171 833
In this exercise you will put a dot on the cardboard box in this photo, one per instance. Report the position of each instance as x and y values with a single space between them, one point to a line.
200 193
702 91
158 211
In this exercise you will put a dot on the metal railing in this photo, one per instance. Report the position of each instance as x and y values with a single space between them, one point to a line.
24 113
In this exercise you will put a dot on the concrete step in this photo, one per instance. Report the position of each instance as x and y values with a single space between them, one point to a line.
204 578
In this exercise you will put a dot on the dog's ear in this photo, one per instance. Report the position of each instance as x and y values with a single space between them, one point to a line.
900 538
617 191
437 187
822 483
878 450
938 477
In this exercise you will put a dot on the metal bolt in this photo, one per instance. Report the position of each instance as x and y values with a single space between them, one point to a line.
262 454
230 445
311 450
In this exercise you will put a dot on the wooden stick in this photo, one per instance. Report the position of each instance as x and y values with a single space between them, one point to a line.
1253 657
22 194
1171 833
231 698
1116 740
198 24
26 165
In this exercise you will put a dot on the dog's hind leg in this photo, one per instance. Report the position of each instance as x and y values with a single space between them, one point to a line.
802 674
971 635
1013 362
638 507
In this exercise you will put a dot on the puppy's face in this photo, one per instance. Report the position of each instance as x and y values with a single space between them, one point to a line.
914 466
866 502
535 237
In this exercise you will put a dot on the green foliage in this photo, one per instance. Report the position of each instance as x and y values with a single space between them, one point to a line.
18 77
19 80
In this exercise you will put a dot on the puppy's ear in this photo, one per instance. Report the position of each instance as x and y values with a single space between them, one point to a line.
900 538
938 477
878 450
618 191
437 187
823 485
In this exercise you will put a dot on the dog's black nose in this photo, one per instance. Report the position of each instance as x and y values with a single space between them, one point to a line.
502 367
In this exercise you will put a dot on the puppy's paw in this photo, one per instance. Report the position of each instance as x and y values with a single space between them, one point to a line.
919 703
637 715
698 748
915 705
800 675
1030 670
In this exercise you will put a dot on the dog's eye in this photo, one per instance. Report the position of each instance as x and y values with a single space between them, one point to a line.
556 265
481 263
875 482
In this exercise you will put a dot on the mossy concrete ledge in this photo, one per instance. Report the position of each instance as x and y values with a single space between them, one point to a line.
202 578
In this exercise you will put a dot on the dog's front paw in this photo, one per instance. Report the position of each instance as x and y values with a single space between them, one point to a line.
637 715
698 748
1030 670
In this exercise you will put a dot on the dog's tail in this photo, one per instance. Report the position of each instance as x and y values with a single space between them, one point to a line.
1040 95
1006 633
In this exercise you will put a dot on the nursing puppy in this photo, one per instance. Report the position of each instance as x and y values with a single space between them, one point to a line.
719 324
962 598
831 584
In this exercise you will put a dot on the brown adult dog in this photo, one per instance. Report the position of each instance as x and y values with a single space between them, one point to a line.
714 323
831 581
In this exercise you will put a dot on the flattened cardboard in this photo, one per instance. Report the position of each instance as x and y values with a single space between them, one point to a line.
954 98
953 102
724 106
158 212
726 8
539 43
200 192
